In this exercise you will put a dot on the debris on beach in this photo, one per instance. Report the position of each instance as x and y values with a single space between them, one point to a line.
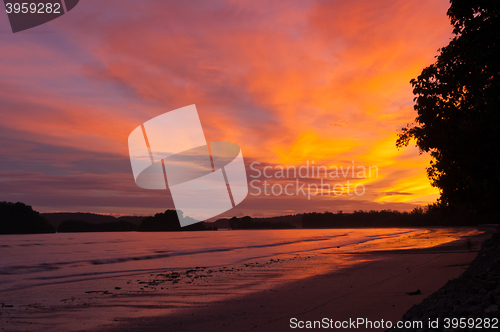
417 292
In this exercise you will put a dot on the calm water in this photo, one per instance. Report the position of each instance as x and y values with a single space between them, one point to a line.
29 260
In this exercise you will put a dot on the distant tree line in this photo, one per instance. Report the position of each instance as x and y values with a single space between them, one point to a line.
419 217
19 218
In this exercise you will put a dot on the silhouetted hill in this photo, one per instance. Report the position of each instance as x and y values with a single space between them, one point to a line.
57 218
168 221
83 226
219 223
92 222
19 218
136 220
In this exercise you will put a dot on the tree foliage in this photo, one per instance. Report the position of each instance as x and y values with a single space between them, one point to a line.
458 103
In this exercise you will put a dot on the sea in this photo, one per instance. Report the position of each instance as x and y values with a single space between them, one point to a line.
40 259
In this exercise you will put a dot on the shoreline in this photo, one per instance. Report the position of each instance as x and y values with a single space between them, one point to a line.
376 289
473 297
310 284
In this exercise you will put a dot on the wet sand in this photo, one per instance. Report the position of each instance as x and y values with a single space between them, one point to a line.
364 281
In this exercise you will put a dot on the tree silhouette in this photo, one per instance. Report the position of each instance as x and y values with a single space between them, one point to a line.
458 105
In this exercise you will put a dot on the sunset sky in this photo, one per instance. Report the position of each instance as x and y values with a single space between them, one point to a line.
290 82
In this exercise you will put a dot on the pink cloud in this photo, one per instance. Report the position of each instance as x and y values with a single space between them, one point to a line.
289 82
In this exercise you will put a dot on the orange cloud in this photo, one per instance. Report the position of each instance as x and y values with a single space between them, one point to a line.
289 82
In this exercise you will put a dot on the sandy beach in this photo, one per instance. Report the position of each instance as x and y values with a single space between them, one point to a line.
365 280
